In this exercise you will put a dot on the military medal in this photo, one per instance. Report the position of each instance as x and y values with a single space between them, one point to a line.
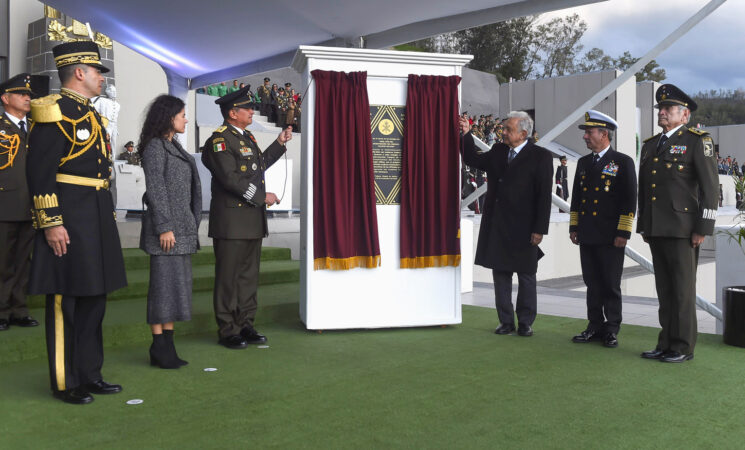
83 134
245 151
254 166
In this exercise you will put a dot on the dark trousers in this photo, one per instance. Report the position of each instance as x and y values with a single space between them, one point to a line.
602 267
526 297
236 282
16 241
74 340
675 263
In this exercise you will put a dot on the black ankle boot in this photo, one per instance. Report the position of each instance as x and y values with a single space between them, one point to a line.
160 354
169 340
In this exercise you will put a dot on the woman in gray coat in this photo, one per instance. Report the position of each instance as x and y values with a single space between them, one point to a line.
170 224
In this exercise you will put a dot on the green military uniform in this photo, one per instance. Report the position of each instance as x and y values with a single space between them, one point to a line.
265 94
131 158
281 108
678 196
69 168
16 232
237 218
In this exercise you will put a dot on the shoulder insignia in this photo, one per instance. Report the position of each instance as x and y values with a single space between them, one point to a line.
698 131
655 136
217 140
708 146
46 109
221 128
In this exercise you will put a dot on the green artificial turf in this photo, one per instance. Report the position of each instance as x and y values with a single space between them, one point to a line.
454 387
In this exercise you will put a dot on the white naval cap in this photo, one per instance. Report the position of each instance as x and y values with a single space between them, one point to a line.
596 119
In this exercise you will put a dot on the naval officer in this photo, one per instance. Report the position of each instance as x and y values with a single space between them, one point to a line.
600 222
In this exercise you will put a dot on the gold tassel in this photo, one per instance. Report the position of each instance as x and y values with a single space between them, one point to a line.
421 262
366 262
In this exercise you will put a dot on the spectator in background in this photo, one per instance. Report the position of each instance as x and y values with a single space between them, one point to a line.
170 224
212 90
562 187
201 90
234 87
222 89
130 154
265 108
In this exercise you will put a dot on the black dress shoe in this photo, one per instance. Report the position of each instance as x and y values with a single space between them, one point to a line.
252 336
234 342
586 336
675 357
77 396
653 354
524 330
610 340
24 322
102 387
4 324
505 328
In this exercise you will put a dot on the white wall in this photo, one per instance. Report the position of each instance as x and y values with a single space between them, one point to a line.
22 12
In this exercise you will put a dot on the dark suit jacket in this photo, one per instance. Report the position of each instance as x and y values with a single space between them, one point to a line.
237 209
518 203
173 198
603 198
15 201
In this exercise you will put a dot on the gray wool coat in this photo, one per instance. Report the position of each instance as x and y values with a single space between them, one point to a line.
173 198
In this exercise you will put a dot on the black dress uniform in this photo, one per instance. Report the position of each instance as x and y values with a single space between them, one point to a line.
602 208
678 196
16 232
69 166
237 219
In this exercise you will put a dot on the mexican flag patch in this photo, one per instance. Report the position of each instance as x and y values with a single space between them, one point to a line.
218 147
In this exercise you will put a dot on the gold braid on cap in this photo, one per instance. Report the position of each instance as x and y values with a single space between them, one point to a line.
77 58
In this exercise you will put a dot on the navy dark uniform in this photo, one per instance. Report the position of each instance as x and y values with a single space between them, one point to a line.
678 196
69 166
602 209
16 233
237 221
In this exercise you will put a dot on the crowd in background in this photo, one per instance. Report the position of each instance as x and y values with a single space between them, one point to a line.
729 166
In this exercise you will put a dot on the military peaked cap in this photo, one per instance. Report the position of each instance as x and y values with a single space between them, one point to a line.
79 52
669 94
19 84
596 119
237 99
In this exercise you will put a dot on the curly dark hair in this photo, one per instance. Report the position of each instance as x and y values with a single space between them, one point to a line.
159 119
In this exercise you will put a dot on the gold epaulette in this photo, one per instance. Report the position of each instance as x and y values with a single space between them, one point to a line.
46 109
698 131
649 139
221 128
626 222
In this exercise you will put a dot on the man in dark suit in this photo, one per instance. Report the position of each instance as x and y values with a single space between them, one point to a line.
562 188
238 216
16 232
77 258
600 221
515 218
678 200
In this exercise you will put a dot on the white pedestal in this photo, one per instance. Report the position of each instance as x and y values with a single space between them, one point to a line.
130 185
386 296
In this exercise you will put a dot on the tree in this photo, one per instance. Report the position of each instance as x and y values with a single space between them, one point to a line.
596 59
556 45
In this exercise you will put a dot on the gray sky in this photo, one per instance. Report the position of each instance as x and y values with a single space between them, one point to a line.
710 56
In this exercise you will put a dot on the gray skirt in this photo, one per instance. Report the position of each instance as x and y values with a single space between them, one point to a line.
169 293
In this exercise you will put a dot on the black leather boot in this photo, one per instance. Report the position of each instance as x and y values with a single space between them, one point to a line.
160 354
169 340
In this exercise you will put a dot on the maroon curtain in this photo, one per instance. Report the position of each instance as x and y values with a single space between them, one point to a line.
430 188
345 223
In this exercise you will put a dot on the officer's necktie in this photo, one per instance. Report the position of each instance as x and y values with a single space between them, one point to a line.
22 126
595 158
662 141
511 156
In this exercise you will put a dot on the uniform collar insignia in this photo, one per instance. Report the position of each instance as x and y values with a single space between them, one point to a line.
75 96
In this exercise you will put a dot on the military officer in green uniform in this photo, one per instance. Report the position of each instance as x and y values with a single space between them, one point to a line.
600 222
130 155
238 216
77 257
265 94
678 198
16 232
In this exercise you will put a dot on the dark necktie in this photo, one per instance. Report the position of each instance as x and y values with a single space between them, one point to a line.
22 126
595 158
662 141
511 156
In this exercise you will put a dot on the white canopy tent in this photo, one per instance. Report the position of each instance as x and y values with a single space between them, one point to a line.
198 43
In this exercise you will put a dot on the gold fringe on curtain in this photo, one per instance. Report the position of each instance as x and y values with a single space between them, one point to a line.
366 262
421 262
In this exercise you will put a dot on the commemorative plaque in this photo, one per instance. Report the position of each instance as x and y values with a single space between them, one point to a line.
387 125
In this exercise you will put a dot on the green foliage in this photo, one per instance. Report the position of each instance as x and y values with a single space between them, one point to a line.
556 45
596 59
739 235
409 48
723 107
